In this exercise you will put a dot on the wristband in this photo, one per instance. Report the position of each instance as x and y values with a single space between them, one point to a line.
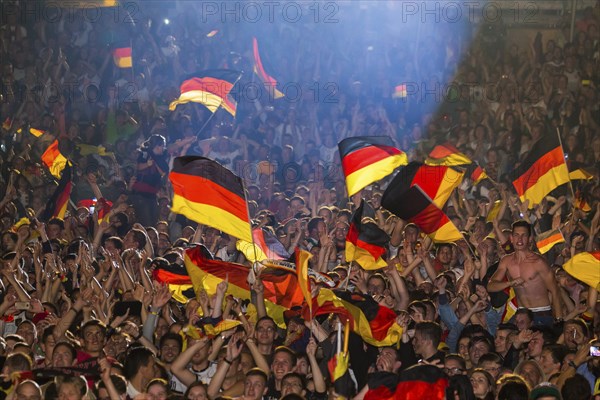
227 361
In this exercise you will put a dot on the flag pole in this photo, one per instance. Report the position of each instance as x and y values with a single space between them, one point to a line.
220 104
563 151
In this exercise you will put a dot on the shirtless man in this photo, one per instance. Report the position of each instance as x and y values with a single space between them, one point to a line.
530 276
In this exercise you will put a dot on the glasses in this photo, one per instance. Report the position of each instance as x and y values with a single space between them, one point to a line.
267 330
453 371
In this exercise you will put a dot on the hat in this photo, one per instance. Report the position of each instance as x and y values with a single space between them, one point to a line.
543 390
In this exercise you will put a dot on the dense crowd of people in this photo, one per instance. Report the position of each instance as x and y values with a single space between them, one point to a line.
81 316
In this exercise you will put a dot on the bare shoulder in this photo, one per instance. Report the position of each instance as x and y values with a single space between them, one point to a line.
505 260
539 262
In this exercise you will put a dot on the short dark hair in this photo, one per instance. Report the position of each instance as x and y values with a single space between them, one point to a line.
57 221
139 237
458 358
69 346
18 362
171 336
285 349
513 387
557 351
521 223
136 358
430 330
525 311
295 375
491 357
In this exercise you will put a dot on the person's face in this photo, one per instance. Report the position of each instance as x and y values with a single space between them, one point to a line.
480 384
197 393
254 387
28 391
246 362
341 230
302 366
68 391
522 321
129 241
501 341
534 348
418 343
453 367
386 360
62 357
375 286
291 384
531 374
547 363
93 339
573 335
520 238
476 351
492 367
282 364
463 348
169 351
410 234
445 255
157 392
265 332
53 231
28 333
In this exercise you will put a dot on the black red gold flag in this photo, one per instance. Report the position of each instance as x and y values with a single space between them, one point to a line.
58 202
448 155
366 243
208 193
265 246
54 159
210 88
259 69
122 57
367 159
545 241
585 267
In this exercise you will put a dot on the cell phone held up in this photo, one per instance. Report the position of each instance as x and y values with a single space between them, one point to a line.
23 305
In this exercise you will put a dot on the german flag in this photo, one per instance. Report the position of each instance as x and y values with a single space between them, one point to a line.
54 159
577 171
494 211
382 386
585 267
36 132
511 305
259 69
548 240
265 246
177 279
281 288
437 182
543 170
448 155
400 91
422 382
122 57
581 203
340 377
367 159
210 88
413 205
302 258
208 193
57 205
101 205
376 324
366 243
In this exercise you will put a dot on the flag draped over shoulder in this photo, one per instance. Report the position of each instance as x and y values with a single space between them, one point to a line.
259 69
543 170
376 324
367 159
437 182
208 193
448 155
265 246
547 240
54 159
210 88
412 204
58 202
585 267
122 57
281 287
366 243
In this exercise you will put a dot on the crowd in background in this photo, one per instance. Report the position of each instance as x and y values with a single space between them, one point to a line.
62 279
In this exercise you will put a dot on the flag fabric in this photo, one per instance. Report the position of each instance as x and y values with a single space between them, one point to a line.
413 205
210 88
212 33
578 171
338 371
265 246
511 305
549 239
581 203
366 243
382 386
543 170
88 149
208 193
367 159
122 57
36 132
54 159
376 324
494 211
102 207
585 267
448 155
302 257
422 382
438 182
58 202
177 280
281 288
259 69
270 266
400 92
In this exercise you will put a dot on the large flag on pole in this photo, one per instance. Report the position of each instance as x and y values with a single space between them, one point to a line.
208 193
543 170
367 159
210 88
259 69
